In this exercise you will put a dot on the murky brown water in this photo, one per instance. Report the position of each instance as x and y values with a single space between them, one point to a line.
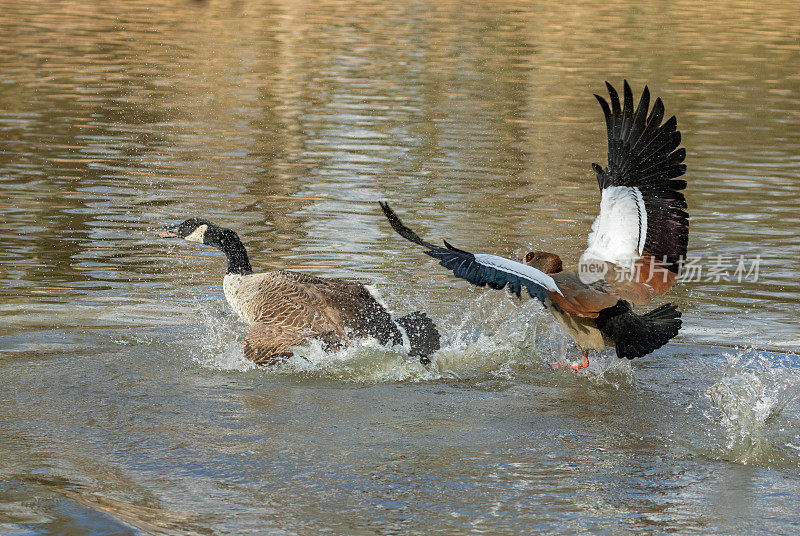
125 403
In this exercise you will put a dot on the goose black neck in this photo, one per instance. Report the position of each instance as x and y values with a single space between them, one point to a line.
234 250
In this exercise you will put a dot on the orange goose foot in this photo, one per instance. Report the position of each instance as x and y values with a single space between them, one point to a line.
583 363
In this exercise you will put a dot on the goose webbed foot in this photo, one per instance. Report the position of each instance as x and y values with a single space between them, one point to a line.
582 364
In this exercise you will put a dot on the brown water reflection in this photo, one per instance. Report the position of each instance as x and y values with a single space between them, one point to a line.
288 121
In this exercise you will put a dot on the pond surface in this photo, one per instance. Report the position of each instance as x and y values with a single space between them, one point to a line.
126 405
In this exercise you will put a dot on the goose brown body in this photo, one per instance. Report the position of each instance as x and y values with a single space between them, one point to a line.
285 308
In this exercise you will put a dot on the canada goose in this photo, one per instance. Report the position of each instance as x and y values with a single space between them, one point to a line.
284 308
635 249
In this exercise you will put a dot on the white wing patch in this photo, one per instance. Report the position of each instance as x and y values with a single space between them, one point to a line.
518 269
619 231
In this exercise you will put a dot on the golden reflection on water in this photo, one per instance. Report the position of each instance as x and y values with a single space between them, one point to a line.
288 121
284 117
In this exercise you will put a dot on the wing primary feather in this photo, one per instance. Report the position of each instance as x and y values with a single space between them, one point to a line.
639 119
615 110
480 270
656 115
627 111
401 229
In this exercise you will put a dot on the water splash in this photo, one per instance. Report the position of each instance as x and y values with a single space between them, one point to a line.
363 361
494 334
489 340
496 339
490 337
218 344
754 390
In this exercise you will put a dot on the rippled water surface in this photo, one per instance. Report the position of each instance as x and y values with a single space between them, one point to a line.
126 405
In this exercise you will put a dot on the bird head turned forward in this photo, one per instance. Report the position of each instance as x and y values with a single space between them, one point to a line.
204 232
193 230
549 263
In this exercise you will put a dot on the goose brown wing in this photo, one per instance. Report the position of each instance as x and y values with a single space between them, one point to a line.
341 308
268 341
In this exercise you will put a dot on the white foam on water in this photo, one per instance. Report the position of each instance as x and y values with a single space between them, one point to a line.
750 397
362 361
495 337
218 345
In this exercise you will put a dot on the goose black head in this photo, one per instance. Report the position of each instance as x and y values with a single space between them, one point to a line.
205 232
193 230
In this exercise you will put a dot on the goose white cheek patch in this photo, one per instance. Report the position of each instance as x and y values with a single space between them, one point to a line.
197 234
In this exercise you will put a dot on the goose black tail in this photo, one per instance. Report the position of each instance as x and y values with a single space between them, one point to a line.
638 335
422 334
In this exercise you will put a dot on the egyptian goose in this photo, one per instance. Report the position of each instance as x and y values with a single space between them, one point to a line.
635 248
284 308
